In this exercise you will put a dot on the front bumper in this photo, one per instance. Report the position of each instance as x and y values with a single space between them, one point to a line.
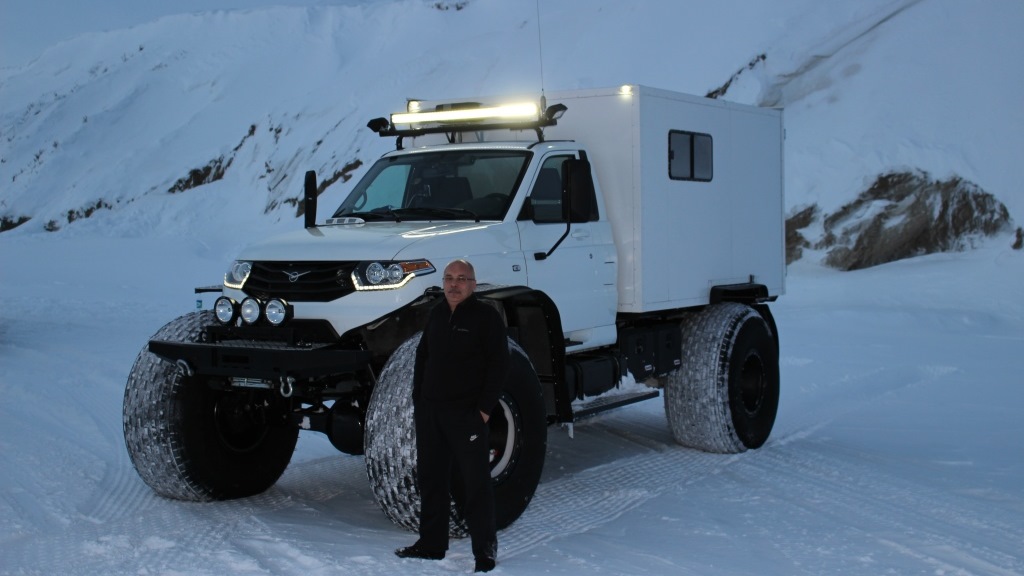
258 362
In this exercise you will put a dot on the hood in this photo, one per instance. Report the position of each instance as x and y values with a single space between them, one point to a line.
374 241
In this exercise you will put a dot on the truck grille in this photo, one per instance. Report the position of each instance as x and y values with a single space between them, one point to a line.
300 281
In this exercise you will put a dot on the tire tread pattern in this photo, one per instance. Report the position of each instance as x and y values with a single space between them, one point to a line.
150 413
172 428
390 443
697 394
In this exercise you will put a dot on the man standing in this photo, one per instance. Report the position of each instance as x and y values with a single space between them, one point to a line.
461 364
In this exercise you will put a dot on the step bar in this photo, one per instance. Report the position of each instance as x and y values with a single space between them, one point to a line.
610 402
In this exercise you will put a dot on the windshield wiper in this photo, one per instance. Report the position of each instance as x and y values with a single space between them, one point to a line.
435 211
382 213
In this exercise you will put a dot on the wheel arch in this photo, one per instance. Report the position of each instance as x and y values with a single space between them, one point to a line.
532 321
752 294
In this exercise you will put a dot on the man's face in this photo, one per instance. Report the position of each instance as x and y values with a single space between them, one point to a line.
459 283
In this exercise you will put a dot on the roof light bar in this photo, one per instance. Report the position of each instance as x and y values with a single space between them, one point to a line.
467 117
507 112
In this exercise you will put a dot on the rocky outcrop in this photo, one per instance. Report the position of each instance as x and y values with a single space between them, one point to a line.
901 215
796 242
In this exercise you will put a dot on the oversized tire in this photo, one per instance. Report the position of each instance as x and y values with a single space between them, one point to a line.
189 441
725 395
518 438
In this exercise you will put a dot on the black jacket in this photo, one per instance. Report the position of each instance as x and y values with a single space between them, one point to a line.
462 358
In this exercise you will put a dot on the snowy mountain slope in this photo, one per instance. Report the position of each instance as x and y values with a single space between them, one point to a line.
898 447
97 122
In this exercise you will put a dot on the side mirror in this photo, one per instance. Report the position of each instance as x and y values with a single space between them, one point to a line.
309 199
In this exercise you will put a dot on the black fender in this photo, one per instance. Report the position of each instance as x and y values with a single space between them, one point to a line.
533 321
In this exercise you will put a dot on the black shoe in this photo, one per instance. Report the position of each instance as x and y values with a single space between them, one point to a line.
484 564
415 551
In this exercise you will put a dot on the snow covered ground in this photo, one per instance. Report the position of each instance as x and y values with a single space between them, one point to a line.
899 445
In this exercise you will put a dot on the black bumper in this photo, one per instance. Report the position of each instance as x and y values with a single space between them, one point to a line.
262 363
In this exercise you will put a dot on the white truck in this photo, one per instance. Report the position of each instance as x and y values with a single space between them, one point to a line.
631 238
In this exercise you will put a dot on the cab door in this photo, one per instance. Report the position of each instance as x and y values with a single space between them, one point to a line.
577 270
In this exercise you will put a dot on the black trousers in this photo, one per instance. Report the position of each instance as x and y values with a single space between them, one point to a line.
452 445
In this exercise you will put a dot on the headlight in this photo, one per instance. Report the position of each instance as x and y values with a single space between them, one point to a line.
277 311
237 274
250 310
225 310
375 273
388 275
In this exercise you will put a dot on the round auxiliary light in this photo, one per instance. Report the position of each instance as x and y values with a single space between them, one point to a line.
250 310
276 311
224 309
375 273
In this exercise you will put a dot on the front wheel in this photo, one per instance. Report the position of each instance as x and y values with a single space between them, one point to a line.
190 442
517 432
725 395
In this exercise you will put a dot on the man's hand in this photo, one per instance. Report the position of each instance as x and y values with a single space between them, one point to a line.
485 416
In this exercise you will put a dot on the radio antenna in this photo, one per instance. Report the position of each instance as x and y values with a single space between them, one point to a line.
540 53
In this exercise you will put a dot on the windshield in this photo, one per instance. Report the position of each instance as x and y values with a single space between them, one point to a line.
448 185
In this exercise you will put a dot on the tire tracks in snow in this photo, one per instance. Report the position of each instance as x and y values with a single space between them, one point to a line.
127 526
592 497
288 529
867 517
595 496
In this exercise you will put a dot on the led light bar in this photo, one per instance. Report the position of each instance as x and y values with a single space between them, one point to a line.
527 111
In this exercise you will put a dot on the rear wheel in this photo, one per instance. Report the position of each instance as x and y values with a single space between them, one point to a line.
725 395
517 433
190 442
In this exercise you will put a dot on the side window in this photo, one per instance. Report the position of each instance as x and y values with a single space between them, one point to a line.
546 196
690 156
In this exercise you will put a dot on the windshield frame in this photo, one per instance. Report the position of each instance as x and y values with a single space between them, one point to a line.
463 183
